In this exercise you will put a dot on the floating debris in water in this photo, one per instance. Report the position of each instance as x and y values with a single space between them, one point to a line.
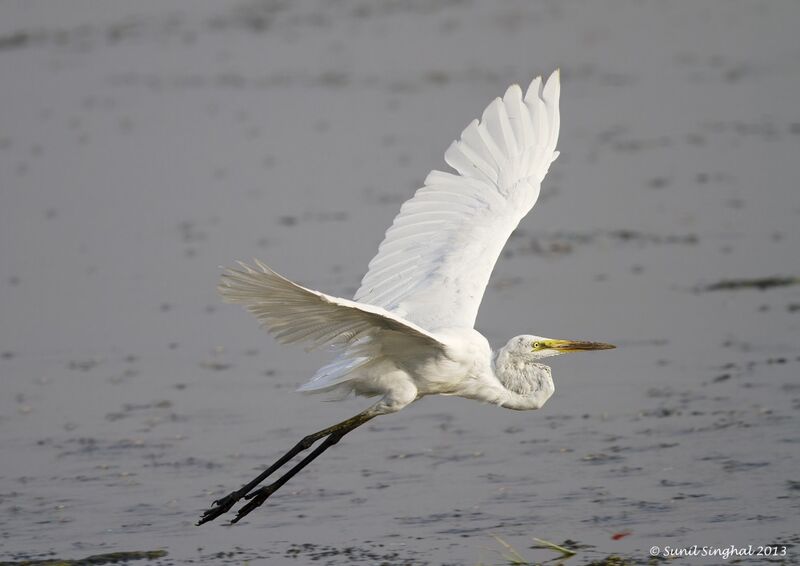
567 549
612 560
560 243
372 554
215 366
762 284
107 558
552 546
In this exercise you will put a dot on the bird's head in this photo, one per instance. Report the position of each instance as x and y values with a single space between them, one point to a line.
537 347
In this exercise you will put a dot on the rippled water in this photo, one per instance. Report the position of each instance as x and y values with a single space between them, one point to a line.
144 145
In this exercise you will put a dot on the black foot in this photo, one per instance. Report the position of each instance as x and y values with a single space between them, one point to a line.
256 500
221 506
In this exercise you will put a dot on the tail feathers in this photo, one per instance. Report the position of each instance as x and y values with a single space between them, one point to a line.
334 374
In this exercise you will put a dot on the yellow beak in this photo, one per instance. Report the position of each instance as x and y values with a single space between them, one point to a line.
576 345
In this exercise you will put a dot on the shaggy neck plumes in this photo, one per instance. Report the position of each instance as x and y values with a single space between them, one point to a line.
528 384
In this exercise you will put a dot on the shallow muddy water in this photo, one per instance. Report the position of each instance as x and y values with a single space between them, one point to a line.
143 145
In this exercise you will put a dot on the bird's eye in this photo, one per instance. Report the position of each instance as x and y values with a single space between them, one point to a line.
537 345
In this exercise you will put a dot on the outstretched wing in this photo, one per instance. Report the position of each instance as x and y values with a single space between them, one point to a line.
434 264
293 313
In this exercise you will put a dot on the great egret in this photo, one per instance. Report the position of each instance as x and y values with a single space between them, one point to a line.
409 331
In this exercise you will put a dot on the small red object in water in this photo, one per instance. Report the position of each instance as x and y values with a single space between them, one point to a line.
619 535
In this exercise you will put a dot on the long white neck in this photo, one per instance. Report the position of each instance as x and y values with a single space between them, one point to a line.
528 385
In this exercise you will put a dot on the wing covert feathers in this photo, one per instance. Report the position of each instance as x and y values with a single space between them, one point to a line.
435 261
293 313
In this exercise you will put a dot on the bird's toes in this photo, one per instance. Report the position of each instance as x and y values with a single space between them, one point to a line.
255 500
211 514
221 506
229 500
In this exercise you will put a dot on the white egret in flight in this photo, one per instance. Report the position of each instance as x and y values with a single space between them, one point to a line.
408 332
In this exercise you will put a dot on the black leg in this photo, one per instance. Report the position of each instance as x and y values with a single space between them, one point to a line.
257 498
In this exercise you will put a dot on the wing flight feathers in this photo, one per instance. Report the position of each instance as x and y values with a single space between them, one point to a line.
435 261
